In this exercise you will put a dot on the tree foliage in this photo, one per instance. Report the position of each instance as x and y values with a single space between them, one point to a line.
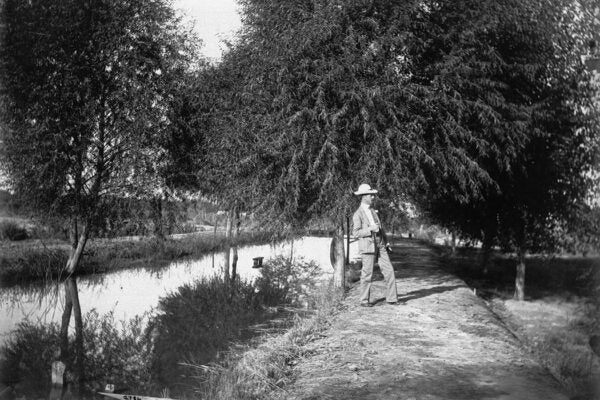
539 189
436 102
85 95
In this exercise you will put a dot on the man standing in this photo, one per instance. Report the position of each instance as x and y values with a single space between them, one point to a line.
372 244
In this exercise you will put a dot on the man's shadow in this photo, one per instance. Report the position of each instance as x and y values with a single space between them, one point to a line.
417 294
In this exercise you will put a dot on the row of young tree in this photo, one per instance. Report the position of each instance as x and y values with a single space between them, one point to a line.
481 113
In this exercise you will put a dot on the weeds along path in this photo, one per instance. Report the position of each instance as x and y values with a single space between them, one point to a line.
440 342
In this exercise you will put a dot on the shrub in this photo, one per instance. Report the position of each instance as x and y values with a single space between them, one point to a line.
27 356
117 352
285 282
10 230
198 321
114 352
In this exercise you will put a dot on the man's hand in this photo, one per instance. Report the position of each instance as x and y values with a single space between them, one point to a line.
374 228
388 247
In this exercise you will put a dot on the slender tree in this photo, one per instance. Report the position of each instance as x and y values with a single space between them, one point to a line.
84 98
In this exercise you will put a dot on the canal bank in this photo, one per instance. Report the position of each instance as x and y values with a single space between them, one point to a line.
146 328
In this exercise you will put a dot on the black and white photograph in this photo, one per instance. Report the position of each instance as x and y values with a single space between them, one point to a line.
300 199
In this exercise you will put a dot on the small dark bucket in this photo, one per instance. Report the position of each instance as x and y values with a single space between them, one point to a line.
257 262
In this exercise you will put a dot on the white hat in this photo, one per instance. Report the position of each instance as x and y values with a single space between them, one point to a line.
365 189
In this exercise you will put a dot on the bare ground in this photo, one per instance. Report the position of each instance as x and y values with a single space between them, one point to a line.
440 342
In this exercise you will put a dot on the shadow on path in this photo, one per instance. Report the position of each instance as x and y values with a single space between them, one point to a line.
439 342
417 294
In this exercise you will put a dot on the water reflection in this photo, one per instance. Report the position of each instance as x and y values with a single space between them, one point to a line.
132 292
124 295
70 354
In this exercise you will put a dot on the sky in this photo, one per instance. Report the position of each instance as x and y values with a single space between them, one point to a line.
214 20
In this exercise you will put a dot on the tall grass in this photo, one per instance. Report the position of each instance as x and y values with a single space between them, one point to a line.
263 372
24 266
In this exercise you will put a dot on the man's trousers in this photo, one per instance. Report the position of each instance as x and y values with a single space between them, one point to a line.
368 259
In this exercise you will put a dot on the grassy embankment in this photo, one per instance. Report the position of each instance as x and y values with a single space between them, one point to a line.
185 348
264 370
24 261
560 315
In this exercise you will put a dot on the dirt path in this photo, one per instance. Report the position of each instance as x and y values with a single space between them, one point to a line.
441 342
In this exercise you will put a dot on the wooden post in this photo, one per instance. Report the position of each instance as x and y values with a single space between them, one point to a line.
58 373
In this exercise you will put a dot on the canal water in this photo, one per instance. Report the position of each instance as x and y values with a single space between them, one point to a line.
133 292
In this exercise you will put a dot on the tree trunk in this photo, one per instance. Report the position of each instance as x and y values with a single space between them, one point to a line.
347 240
520 279
453 233
64 327
71 287
236 235
337 257
486 251
77 247
157 211
228 229
72 306
215 231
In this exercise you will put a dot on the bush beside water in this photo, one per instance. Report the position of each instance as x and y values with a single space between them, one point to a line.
111 349
192 326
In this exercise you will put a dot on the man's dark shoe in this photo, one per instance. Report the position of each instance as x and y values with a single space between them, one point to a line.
366 304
